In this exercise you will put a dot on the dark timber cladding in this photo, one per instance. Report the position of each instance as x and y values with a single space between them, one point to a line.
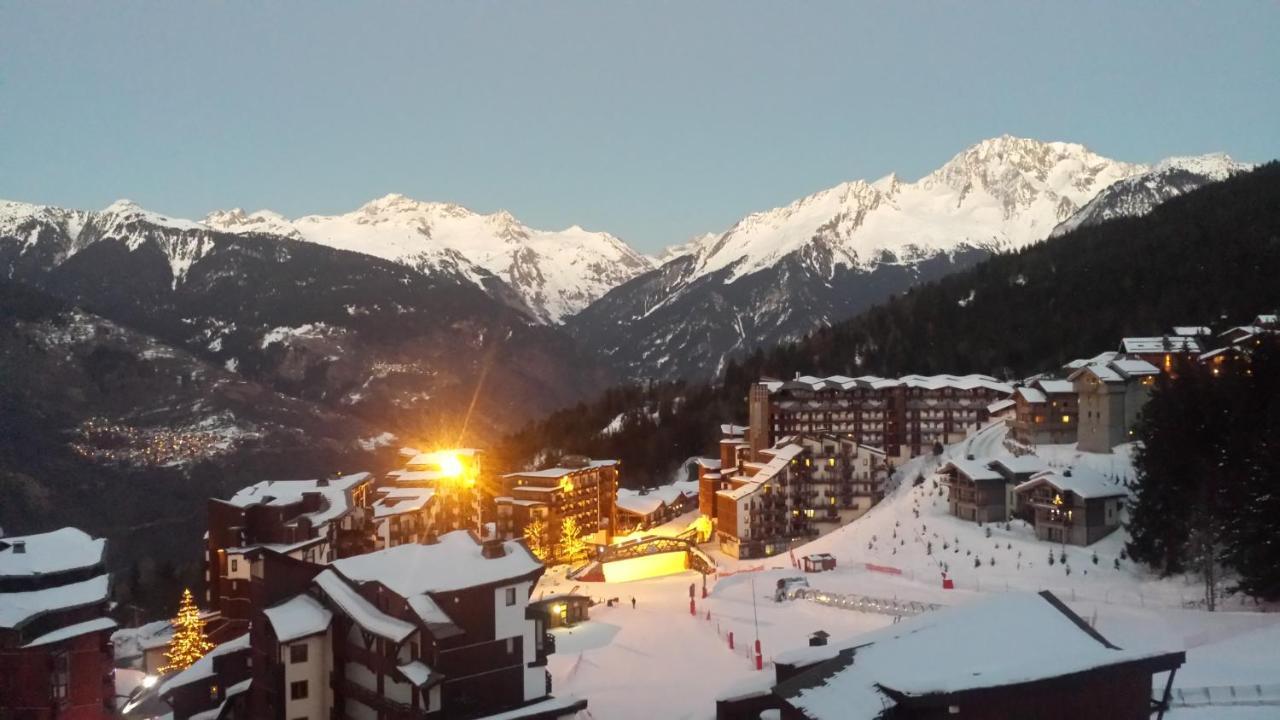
1067 672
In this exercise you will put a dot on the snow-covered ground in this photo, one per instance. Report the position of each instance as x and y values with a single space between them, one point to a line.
658 660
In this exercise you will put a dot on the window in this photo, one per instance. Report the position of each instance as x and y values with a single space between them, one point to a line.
298 690
297 653
235 565
511 596
511 645
61 676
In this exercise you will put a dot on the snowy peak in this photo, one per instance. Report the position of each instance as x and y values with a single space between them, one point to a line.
555 273
1140 193
1003 193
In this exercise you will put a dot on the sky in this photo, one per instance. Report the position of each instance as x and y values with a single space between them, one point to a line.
655 121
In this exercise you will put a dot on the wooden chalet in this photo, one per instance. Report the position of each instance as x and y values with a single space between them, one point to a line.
1015 655
1075 505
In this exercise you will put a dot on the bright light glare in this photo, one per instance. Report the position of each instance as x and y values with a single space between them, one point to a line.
149 681
450 465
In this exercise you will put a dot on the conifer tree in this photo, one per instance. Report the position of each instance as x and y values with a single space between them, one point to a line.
189 642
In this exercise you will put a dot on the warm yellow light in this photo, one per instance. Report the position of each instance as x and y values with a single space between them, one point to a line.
646 567
450 465
1066 418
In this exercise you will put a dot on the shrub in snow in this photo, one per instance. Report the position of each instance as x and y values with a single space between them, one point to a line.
992 562
977 562
1006 525
1095 558
946 545
1067 568
988 532
1117 563
1050 557
1063 559
929 551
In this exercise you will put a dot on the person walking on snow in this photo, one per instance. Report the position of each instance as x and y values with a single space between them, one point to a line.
633 602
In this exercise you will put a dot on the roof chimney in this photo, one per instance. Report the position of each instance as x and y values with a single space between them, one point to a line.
818 639
19 547
490 549
1066 473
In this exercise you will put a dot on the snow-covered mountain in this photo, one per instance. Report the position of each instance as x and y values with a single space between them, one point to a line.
777 274
1140 194
555 273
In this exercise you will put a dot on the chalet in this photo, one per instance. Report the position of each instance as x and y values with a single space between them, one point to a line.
975 492
968 661
461 488
403 515
563 610
905 416
415 631
1017 470
1163 351
55 636
313 520
579 488
1046 413
1199 331
650 507
1075 505
1110 396
785 493
215 686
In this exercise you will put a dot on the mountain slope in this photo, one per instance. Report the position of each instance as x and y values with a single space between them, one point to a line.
554 274
371 337
1209 257
1139 194
778 274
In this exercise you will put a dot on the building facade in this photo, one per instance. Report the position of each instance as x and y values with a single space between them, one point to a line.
55 636
313 520
461 486
419 632
1075 506
905 416
975 492
1046 413
579 488
789 491
1110 396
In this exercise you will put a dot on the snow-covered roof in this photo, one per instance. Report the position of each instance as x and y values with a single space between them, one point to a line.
1054 387
1191 330
1118 370
287 492
71 631
1266 320
973 470
505 500
1164 343
999 405
634 502
737 430
559 472
979 645
400 500
931 382
361 611
1031 395
1021 464
203 668
1099 359
782 456
18 607
51 552
298 617
452 563
1132 367
1079 480
417 673
708 463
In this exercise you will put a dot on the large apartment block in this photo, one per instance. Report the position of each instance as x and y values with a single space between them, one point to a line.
789 491
579 488
905 416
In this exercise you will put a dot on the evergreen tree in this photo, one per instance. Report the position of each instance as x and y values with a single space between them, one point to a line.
189 642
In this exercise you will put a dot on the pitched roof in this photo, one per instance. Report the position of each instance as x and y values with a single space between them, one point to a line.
452 563
557 472
1164 343
51 552
203 668
16 608
298 617
287 492
1081 481
978 645
973 470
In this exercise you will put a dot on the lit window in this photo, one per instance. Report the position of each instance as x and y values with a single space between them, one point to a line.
1066 418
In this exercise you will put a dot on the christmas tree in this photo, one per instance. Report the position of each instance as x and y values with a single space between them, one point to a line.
189 643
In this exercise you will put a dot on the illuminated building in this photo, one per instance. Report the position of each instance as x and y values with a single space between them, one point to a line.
579 487
905 416
1076 505
461 489
418 632
55 636
1110 394
790 491
313 520
1045 413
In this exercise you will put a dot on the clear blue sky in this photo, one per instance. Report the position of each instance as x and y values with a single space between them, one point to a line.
653 120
